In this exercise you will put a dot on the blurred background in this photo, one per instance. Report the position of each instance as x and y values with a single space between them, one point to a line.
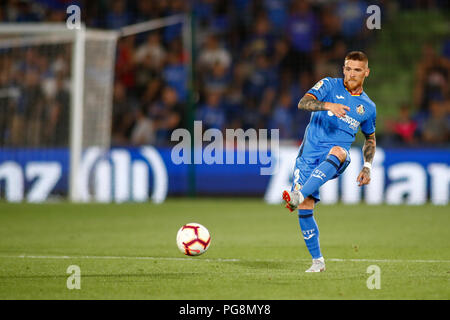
240 64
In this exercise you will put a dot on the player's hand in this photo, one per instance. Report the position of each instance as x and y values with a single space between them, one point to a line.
339 110
363 177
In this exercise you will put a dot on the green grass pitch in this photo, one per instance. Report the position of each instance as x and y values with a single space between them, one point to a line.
128 251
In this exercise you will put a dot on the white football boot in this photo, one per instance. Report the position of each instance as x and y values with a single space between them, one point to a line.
318 265
293 199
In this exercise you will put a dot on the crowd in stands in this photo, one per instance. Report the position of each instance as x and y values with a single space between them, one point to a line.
429 122
254 60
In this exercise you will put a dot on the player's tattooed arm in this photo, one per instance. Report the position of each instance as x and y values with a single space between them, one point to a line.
309 103
368 154
369 148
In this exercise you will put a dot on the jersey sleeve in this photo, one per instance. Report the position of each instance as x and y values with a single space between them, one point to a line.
320 89
368 126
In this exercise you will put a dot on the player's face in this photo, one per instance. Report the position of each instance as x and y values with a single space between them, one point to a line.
354 73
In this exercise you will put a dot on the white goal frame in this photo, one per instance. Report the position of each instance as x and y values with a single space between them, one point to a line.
53 33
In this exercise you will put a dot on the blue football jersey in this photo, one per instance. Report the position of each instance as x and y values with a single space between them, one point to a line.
325 130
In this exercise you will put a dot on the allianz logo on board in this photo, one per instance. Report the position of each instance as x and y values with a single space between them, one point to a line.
110 176
115 177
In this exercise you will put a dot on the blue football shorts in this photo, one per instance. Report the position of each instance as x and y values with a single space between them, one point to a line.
305 165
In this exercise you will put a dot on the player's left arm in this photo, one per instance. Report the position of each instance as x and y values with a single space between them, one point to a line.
369 148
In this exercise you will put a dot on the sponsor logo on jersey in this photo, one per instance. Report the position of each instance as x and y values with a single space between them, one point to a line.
352 123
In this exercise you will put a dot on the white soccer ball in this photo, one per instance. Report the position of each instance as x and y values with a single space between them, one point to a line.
193 239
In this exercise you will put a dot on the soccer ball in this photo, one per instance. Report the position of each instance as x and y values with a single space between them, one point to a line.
193 239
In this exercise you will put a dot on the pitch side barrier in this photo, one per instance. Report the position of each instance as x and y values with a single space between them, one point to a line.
399 176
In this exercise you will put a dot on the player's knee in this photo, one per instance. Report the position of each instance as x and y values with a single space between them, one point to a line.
308 204
339 152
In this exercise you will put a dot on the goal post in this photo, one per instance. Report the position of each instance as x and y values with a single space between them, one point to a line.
76 114
93 70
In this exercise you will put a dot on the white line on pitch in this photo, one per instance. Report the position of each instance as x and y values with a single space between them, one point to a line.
387 260
214 259
117 258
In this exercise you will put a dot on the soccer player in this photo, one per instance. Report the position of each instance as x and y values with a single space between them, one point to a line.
339 107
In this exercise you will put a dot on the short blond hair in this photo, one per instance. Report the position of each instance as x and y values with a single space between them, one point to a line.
357 55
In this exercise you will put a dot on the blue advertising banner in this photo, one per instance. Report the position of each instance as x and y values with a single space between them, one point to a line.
146 173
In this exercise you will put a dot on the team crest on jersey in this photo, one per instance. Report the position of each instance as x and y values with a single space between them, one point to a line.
318 85
298 187
360 109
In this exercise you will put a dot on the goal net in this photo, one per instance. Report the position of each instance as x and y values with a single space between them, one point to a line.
55 101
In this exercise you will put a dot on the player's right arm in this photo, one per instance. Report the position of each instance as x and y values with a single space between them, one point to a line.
311 103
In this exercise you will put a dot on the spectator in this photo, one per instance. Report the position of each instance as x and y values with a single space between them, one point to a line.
203 9
25 12
53 83
57 125
277 13
29 117
147 10
432 78
211 112
262 81
125 62
167 115
152 92
282 58
436 128
403 129
212 15
143 132
352 14
299 87
218 79
149 59
151 52
118 16
241 20
282 117
122 121
234 97
212 54
175 75
261 41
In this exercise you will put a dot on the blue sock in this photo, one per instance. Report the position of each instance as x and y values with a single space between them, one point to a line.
310 232
321 174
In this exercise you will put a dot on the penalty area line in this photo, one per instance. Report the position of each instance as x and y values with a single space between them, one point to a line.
62 257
